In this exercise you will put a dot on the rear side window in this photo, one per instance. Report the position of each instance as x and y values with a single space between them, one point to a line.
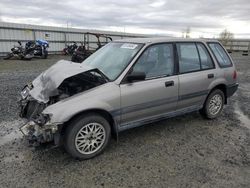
220 54
206 61
189 60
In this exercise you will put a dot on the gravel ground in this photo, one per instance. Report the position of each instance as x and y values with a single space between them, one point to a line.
185 151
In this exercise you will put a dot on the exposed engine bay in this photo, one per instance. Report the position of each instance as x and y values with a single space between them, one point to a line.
79 83
48 89
31 108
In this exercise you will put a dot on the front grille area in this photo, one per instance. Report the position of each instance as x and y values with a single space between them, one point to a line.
30 109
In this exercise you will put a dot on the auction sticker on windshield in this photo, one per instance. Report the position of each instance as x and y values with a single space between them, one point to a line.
129 46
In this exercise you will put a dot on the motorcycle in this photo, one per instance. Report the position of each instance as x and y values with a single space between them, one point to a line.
16 51
37 48
31 49
70 49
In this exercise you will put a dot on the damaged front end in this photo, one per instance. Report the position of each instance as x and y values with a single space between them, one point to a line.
61 81
37 134
38 128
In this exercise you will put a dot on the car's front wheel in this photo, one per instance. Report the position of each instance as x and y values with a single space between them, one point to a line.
87 136
214 104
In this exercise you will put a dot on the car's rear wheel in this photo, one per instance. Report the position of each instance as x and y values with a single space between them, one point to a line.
214 104
87 136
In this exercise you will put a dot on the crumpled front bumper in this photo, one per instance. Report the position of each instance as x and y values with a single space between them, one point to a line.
37 134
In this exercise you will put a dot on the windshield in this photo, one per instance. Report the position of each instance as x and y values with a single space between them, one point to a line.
113 58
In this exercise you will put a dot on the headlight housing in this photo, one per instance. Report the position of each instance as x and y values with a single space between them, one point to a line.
25 92
42 119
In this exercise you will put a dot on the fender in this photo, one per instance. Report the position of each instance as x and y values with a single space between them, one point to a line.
64 110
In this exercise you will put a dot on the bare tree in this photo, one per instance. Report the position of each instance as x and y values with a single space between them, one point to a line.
225 36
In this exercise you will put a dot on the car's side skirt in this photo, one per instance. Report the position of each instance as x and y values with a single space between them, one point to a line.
137 123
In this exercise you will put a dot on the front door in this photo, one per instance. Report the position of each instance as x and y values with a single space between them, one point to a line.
158 93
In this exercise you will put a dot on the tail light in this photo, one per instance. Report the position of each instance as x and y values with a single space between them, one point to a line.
235 74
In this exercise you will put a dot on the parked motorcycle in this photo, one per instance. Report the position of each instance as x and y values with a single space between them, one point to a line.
17 51
70 49
37 48
32 49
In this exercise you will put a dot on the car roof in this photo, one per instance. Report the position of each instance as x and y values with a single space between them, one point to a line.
163 39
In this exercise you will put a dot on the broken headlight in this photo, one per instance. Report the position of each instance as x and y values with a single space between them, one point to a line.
27 128
25 92
42 119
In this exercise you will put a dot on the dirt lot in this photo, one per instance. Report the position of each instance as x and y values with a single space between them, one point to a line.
186 151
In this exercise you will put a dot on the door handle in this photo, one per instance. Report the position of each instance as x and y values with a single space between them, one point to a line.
210 76
169 83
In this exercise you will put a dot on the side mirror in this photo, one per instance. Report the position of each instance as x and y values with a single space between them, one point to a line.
19 43
136 76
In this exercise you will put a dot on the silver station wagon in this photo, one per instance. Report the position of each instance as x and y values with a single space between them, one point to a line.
125 84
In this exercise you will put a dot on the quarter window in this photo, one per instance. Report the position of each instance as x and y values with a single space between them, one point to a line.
220 54
156 61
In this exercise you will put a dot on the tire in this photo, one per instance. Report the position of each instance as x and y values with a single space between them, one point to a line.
78 140
64 52
8 56
45 55
73 59
214 104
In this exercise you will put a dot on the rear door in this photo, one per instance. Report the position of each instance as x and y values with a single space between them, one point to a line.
196 72
158 94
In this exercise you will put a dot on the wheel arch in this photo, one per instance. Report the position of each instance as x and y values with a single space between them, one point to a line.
221 87
104 113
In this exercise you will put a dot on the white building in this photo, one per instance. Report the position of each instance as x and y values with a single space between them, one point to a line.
58 37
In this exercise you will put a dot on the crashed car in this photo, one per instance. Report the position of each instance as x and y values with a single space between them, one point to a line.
125 84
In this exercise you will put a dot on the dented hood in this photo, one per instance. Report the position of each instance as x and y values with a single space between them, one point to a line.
46 84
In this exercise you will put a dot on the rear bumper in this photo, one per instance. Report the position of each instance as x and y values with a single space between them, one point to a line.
231 89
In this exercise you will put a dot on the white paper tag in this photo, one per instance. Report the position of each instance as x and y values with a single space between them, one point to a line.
129 46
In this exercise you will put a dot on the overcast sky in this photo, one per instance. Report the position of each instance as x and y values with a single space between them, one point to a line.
205 18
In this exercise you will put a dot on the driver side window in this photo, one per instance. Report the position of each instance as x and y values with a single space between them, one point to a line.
156 61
